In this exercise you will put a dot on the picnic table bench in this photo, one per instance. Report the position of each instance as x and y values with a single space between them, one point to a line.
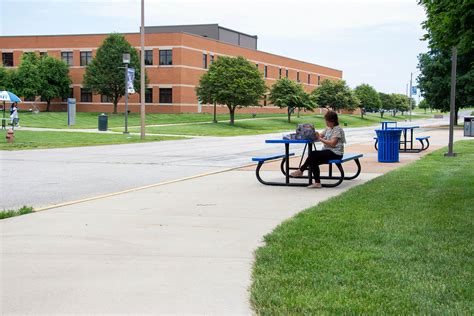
285 166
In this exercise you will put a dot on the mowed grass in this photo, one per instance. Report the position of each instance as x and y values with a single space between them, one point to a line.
38 140
400 244
263 126
90 119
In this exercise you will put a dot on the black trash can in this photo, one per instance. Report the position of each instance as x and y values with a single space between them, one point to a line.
388 144
103 119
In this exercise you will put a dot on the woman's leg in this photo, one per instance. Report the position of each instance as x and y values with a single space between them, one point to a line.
322 157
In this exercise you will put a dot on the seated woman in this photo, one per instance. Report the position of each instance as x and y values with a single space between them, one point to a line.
333 139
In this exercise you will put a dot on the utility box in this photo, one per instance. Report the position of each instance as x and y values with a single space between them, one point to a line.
469 126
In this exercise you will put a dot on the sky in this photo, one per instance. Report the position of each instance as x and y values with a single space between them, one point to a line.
371 41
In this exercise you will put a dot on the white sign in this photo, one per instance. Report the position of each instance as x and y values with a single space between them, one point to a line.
71 111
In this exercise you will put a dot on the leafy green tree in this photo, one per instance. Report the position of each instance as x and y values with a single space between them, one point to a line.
400 103
26 80
55 81
423 105
335 94
449 24
5 78
105 73
369 98
286 93
388 103
434 80
232 81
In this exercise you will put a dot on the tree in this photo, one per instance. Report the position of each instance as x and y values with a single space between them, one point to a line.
286 93
369 98
449 24
55 81
232 81
5 78
388 103
434 80
105 73
26 80
335 94
400 103
423 105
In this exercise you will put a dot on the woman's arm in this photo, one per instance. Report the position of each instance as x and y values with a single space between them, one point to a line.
331 142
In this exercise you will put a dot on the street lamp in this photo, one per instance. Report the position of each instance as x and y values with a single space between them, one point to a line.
126 61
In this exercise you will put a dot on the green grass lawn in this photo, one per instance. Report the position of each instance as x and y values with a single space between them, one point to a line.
37 140
263 126
401 244
90 120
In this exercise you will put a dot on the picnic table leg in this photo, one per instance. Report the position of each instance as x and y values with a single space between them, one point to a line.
287 163
405 137
411 139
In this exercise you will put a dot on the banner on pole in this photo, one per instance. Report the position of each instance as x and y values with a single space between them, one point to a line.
130 79
413 90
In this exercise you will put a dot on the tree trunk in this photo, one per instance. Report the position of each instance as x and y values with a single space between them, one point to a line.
381 114
361 112
48 103
456 116
289 115
115 106
231 112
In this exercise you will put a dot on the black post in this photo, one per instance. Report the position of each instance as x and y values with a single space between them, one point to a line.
452 113
215 117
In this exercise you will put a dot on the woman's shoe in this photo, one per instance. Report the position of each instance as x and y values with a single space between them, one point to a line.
296 173
314 186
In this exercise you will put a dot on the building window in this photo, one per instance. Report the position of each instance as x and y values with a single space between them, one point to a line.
309 79
105 99
265 71
42 54
279 73
286 73
204 61
166 95
86 95
7 59
86 58
319 80
70 95
149 57
298 76
67 58
211 59
166 57
148 95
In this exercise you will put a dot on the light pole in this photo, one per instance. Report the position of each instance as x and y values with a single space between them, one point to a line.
126 61
142 72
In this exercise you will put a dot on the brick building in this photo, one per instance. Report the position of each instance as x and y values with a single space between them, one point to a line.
175 58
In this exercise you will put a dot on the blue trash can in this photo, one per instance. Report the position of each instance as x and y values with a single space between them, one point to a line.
388 144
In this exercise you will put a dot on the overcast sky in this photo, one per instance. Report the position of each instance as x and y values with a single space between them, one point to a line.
371 41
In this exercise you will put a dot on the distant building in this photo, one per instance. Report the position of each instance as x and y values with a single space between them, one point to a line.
175 59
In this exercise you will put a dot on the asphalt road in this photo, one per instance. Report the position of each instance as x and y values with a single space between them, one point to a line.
41 178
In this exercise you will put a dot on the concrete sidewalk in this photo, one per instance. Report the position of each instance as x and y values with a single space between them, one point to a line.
180 248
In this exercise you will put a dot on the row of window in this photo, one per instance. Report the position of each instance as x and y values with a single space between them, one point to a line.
166 58
165 95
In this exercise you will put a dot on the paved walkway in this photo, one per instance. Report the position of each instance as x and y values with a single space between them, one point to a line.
180 248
